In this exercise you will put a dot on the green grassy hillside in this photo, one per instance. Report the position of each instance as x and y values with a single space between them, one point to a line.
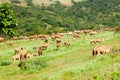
88 14
74 63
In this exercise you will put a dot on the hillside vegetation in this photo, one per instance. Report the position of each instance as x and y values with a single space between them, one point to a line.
88 14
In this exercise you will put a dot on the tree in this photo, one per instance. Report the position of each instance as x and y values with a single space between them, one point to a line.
7 20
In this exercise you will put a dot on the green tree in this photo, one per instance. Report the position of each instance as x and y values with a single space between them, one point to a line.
7 20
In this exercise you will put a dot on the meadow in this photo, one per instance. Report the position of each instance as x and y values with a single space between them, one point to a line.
73 63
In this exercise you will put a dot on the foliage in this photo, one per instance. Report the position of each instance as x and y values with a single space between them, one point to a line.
87 14
33 64
7 20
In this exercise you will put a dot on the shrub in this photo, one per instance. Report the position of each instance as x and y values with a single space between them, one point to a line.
33 64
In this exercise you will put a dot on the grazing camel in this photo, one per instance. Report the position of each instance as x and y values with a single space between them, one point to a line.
19 56
44 45
53 38
58 41
15 38
58 45
17 50
23 54
67 43
46 39
93 33
97 40
57 36
69 34
86 32
75 35
16 57
40 51
23 50
100 50
2 39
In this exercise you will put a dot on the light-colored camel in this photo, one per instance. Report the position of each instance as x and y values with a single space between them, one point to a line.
101 49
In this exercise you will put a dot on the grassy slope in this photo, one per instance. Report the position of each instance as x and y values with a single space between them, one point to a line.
75 63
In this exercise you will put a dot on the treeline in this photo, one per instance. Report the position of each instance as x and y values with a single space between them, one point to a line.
90 14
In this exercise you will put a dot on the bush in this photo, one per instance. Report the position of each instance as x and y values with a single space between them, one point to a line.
33 64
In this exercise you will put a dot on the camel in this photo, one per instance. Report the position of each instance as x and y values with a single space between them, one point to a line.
97 40
16 57
44 45
58 41
23 54
46 40
2 39
75 35
102 49
67 43
58 45
93 33
17 50
40 51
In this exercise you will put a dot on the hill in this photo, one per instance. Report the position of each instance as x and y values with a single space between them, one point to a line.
88 14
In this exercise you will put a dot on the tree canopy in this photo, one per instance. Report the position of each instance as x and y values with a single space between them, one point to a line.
7 20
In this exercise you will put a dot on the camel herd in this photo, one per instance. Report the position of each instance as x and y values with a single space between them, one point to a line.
21 54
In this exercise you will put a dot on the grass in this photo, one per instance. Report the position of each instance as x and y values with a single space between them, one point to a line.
74 63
